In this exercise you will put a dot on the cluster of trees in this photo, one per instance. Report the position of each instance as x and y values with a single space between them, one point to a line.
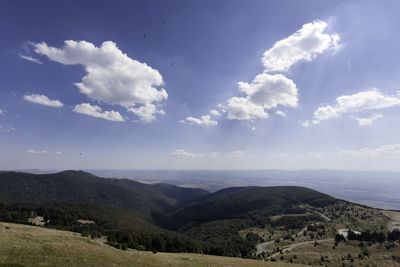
376 237
367 235
295 222
233 245
393 235
154 241
222 240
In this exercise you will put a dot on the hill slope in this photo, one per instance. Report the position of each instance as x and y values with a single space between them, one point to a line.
85 188
34 246
232 202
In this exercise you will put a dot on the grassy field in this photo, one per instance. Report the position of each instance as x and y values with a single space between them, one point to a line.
346 254
22 245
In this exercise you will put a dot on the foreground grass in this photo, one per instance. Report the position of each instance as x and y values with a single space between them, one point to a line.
22 245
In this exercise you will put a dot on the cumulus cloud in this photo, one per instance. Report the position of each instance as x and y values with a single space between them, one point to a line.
368 121
362 101
215 113
97 112
146 112
111 76
269 91
203 120
241 108
265 92
43 100
393 149
310 41
31 59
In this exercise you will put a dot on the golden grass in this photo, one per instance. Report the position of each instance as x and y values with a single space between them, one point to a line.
35 246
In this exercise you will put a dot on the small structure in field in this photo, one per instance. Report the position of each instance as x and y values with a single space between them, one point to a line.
37 220
82 221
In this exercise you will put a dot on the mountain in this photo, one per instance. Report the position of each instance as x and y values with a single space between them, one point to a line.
80 187
232 202
167 218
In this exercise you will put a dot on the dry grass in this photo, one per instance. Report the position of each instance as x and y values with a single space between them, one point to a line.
34 246
310 254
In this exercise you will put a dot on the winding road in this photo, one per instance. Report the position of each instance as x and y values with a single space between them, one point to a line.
262 247
295 245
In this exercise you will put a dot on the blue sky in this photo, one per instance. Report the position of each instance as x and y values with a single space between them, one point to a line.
155 84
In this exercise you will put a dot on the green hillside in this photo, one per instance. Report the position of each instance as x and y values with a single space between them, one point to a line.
25 246
247 222
85 188
233 202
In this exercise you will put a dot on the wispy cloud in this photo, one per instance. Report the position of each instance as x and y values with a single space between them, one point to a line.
369 120
29 58
37 152
43 100
393 149
183 153
6 128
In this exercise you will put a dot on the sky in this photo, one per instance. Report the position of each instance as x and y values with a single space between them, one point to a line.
200 85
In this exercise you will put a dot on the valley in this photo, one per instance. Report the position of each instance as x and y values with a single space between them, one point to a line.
275 225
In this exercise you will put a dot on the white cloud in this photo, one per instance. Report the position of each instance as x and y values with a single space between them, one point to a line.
58 152
111 76
6 128
31 59
215 113
97 112
146 112
362 101
33 151
280 113
203 120
265 92
368 121
184 153
3 111
269 91
181 152
325 113
304 45
43 100
393 149
240 108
